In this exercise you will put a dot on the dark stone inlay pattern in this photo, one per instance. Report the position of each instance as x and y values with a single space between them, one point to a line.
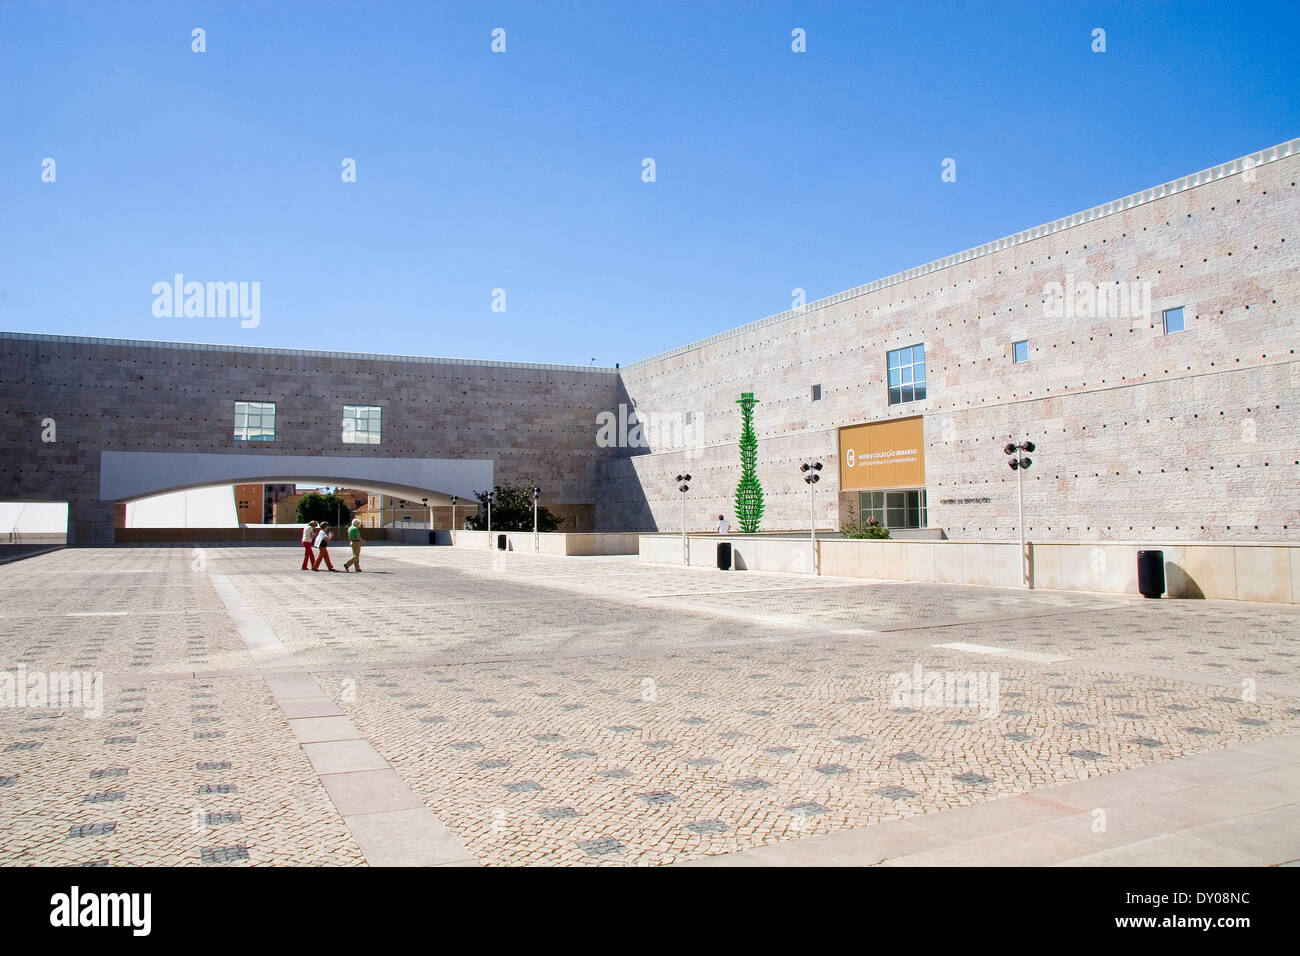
211 788
808 809
217 819
108 796
224 854
558 813
896 793
705 827
92 829
602 847
658 797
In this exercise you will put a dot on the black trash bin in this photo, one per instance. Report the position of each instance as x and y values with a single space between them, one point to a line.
1151 573
501 542
724 555
433 537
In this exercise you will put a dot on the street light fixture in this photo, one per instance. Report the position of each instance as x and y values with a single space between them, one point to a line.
454 499
683 485
812 475
537 493
490 496
1018 463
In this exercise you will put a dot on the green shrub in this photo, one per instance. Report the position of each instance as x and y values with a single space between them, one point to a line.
871 529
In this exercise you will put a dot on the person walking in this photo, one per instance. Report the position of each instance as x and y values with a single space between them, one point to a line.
354 539
724 526
323 535
308 535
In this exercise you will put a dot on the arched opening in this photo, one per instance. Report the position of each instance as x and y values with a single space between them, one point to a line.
161 497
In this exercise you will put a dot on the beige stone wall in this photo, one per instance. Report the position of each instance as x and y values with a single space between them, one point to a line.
1183 437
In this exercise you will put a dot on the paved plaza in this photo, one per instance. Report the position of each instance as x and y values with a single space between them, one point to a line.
456 707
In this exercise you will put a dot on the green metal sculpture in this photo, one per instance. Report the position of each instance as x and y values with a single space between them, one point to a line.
749 494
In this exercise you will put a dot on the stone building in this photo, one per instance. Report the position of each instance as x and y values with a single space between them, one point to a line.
1145 346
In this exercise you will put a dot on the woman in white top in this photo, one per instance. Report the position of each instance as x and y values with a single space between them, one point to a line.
308 535
323 535
724 526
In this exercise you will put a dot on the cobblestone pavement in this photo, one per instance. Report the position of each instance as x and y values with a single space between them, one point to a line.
590 710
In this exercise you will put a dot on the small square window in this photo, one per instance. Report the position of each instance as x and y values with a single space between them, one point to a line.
361 424
816 393
1020 351
254 421
1174 320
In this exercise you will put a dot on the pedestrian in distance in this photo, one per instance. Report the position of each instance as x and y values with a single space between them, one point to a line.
724 526
323 536
354 539
308 536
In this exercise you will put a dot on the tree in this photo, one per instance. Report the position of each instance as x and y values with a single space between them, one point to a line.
512 510
749 493
330 508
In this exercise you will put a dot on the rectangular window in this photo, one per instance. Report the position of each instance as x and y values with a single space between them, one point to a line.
894 509
361 424
254 421
1174 320
1020 351
816 393
906 374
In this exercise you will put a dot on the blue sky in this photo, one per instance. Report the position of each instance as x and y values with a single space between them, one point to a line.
522 170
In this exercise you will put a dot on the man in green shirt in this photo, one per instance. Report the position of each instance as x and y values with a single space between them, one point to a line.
354 539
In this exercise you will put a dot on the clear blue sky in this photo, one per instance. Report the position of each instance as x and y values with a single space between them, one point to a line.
522 170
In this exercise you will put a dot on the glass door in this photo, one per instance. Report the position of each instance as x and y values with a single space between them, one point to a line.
902 508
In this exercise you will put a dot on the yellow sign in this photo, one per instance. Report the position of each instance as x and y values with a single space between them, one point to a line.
883 455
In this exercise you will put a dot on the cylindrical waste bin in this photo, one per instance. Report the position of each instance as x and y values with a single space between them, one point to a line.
501 542
724 555
1151 573
433 537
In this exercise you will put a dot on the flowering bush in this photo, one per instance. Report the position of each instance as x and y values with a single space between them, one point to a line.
871 528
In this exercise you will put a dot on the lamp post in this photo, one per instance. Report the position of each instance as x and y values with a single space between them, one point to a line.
812 475
454 499
537 493
683 485
425 502
489 504
1018 464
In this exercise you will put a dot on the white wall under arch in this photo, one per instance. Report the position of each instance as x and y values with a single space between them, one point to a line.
128 475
